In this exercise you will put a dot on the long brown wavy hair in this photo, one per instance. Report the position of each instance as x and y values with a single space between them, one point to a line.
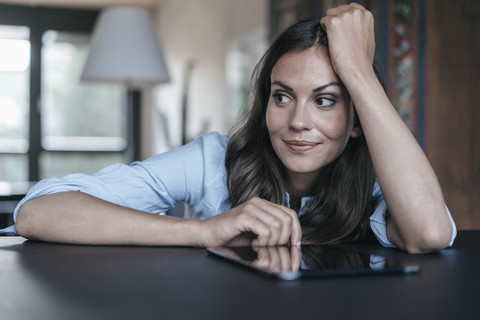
342 199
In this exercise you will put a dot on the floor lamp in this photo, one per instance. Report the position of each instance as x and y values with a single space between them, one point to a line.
126 49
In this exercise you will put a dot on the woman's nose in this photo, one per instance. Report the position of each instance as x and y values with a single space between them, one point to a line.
300 118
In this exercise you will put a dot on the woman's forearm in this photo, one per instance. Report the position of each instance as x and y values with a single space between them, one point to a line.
418 220
74 217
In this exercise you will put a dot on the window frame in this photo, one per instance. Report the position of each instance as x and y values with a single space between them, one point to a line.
39 20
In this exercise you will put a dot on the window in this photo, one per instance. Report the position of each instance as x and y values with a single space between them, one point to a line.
82 123
14 97
50 122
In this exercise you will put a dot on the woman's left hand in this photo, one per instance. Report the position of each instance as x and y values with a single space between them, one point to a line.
351 38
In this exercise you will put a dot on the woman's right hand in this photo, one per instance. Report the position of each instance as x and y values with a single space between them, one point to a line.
256 222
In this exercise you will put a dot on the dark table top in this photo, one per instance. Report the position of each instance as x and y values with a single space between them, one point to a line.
54 281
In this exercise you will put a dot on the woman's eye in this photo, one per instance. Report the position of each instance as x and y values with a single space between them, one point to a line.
280 98
325 102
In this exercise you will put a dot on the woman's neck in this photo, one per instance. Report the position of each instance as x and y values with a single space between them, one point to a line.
301 185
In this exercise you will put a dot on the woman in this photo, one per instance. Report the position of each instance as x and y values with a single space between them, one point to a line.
302 166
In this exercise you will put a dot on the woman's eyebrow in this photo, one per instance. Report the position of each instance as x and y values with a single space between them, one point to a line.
283 85
339 84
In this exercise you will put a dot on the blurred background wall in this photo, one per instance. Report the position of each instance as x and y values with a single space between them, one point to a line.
453 104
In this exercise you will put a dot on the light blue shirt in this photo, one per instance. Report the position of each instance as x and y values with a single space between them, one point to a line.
194 173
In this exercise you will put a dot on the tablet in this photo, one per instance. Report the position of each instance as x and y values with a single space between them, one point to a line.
311 261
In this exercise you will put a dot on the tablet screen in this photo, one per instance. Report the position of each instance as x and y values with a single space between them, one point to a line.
289 263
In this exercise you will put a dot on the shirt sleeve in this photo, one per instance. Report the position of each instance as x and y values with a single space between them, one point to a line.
378 220
154 185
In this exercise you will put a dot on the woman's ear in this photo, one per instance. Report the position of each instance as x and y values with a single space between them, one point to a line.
356 132
357 129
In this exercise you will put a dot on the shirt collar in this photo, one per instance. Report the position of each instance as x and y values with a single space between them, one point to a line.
304 203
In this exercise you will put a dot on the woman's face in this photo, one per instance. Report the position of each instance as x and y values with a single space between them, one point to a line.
309 114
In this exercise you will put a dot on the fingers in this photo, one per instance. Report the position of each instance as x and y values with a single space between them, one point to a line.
292 229
265 228
269 223
347 16
273 224
344 8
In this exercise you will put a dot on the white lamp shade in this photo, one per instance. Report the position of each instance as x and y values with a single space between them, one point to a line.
125 49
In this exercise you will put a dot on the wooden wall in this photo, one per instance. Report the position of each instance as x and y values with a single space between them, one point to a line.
452 119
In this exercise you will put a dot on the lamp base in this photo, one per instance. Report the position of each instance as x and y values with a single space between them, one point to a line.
134 133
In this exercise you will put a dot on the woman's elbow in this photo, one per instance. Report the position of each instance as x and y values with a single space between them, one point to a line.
23 222
431 240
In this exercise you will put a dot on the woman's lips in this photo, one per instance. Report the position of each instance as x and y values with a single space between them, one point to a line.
300 145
